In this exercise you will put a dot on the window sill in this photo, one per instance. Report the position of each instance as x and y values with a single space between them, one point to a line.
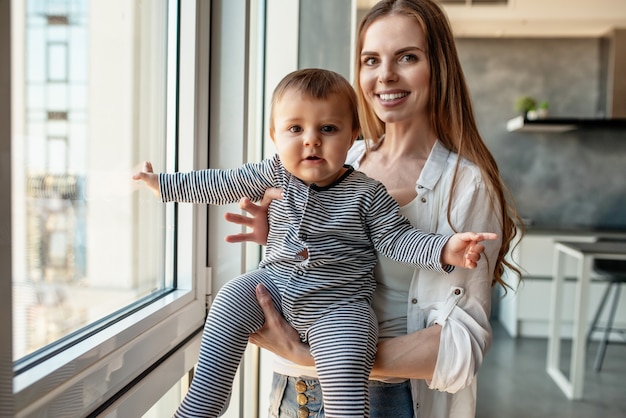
80 378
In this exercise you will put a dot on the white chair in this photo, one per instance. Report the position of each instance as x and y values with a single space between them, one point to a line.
614 272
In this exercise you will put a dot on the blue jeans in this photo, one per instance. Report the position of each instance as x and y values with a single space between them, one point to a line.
292 393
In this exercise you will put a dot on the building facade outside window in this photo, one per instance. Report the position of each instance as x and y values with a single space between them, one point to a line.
107 282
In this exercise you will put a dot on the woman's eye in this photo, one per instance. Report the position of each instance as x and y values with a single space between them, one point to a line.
408 58
369 61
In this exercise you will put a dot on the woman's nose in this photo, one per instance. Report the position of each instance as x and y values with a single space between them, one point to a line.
387 73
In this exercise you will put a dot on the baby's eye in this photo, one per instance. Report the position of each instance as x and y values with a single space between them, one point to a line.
328 129
295 129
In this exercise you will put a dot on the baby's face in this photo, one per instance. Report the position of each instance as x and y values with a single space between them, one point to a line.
312 136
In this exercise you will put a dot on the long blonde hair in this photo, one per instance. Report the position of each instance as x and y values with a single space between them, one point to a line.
451 112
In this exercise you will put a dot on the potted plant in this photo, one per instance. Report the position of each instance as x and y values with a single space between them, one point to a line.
527 106
542 111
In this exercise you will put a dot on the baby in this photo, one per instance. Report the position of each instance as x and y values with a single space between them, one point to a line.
321 248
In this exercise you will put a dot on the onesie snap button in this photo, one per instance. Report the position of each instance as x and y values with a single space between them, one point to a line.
423 200
414 301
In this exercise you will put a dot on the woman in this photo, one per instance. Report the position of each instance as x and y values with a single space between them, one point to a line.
425 147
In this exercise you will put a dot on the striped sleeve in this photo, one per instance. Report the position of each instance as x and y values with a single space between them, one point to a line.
394 236
219 187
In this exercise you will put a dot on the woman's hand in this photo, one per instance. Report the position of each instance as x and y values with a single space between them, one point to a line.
276 335
257 221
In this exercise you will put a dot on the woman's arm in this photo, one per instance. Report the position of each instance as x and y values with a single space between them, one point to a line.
392 357
277 335
418 349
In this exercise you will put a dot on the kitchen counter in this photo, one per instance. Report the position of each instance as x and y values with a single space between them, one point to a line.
536 230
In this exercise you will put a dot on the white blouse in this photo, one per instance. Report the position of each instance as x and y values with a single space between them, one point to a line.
460 301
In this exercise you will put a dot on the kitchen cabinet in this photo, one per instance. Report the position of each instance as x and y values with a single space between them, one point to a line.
525 311
530 18
536 18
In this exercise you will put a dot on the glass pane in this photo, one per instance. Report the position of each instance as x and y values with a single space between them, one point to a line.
57 61
90 103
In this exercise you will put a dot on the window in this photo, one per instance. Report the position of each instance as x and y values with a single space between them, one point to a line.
86 243
106 281
73 129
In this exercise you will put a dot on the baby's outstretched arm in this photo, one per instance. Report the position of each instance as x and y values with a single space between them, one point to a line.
148 176
463 249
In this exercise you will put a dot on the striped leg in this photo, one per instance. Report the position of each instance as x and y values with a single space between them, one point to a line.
234 315
343 344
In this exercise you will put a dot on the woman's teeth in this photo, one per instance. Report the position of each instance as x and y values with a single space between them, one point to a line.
391 96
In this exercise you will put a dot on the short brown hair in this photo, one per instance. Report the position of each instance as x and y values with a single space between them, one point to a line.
318 83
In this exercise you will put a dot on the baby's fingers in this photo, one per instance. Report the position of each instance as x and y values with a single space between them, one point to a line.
486 236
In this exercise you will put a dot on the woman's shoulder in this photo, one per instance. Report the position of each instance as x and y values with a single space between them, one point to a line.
356 153
466 166
449 162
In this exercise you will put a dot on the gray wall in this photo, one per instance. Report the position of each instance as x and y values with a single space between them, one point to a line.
559 180
563 180
324 40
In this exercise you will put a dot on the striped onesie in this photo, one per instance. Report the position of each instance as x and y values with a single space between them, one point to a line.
324 292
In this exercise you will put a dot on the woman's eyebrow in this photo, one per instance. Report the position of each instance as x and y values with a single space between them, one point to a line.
410 48
397 52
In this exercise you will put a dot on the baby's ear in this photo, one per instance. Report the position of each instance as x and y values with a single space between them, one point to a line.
272 131
355 135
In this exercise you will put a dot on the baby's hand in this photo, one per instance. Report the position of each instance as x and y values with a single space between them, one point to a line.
463 249
257 221
148 176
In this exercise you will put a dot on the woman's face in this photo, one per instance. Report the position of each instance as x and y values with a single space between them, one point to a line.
394 69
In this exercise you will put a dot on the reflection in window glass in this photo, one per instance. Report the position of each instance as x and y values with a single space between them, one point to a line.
57 62
89 104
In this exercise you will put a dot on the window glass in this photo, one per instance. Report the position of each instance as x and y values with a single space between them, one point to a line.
90 101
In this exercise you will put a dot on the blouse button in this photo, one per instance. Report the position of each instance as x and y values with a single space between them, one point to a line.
413 301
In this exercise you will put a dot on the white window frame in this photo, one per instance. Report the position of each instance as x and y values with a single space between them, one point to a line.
6 285
97 374
127 368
